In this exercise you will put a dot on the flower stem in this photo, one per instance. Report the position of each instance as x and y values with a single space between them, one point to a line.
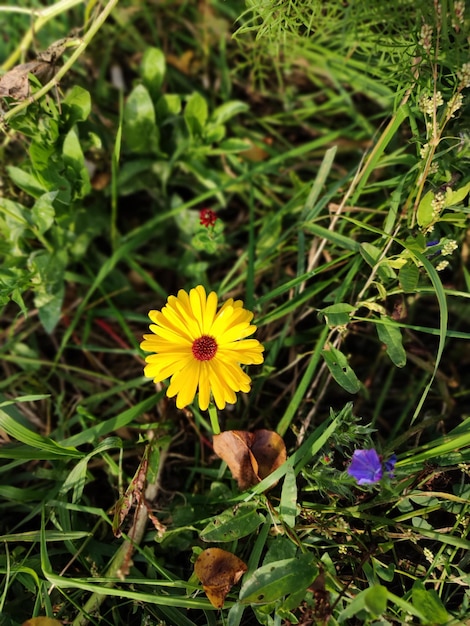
214 419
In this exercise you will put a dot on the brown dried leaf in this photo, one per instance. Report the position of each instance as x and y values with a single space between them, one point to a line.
269 450
218 570
250 456
15 83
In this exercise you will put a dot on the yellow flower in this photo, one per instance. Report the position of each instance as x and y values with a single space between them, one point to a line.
200 348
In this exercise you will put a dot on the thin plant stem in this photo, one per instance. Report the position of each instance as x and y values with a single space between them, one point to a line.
214 419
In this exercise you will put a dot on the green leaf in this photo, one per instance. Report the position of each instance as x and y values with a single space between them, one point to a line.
373 256
196 113
50 171
375 599
152 70
203 241
76 106
425 210
43 212
76 479
49 272
456 196
168 105
408 277
74 161
288 505
389 333
34 397
227 110
102 428
16 219
215 134
140 130
281 578
340 370
231 146
385 572
236 522
26 181
338 314
429 604
32 439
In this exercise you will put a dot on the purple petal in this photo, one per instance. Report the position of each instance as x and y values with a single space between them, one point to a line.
365 467
390 464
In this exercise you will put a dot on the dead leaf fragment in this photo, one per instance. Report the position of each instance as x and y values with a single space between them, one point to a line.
218 570
250 456
15 83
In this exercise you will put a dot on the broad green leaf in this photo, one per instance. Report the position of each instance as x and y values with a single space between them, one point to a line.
227 110
340 370
456 196
279 550
456 218
152 70
141 134
215 134
373 600
167 105
203 241
288 506
338 314
196 113
390 334
26 181
48 168
16 219
74 161
384 572
408 277
42 156
236 522
43 211
76 106
425 209
281 578
376 599
429 604
49 272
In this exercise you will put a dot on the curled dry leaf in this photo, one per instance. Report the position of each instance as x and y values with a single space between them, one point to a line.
218 570
15 83
250 456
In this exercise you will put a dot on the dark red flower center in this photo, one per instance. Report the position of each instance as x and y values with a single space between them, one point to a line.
207 217
204 348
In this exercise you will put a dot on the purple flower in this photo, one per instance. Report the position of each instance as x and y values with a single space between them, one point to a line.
367 468
390 465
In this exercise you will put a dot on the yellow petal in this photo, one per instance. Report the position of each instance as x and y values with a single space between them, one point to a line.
183 384
204 387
